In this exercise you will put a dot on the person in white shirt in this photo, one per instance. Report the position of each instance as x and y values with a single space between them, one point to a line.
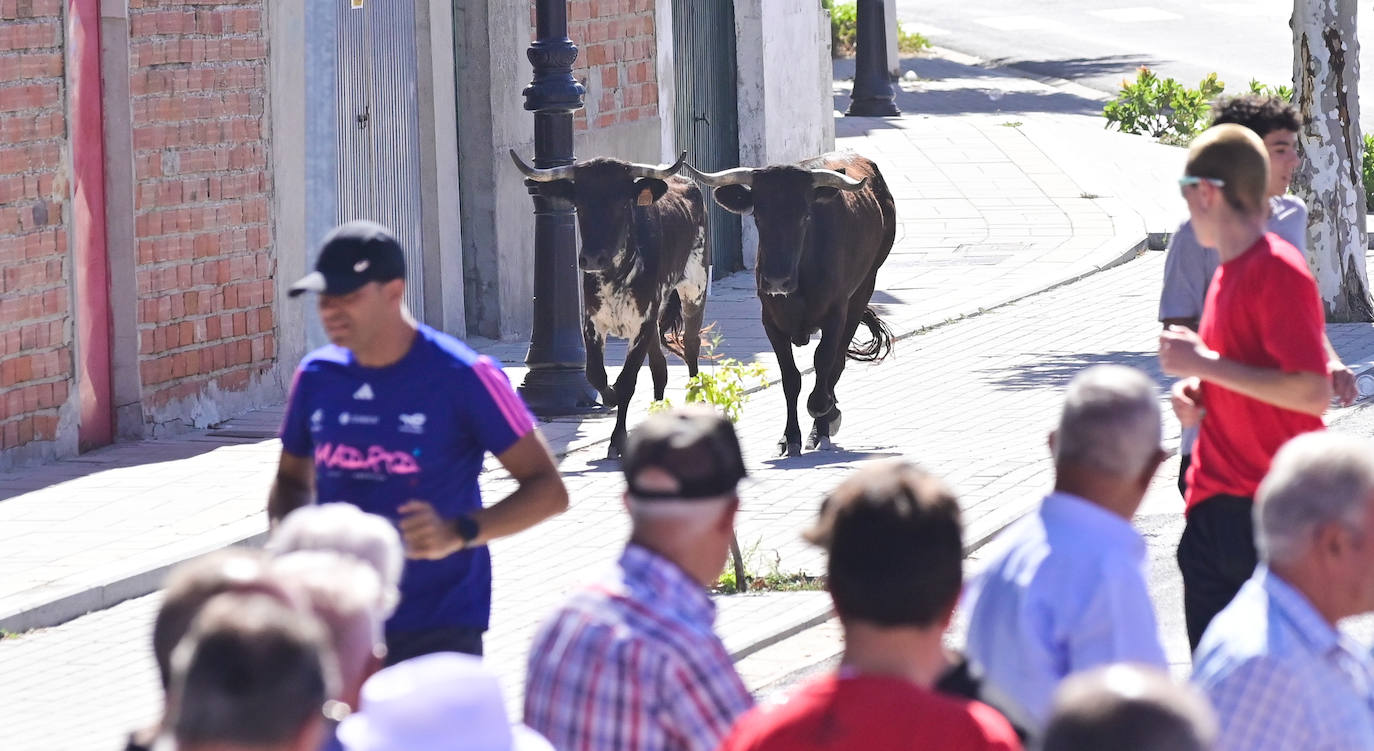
1279 673
1064 589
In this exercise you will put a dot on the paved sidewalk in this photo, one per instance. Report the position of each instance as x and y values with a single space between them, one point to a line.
992 208
997 201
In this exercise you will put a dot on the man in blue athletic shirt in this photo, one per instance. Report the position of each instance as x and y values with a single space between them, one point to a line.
396 418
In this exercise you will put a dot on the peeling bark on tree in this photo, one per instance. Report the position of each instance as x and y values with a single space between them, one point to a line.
1326 71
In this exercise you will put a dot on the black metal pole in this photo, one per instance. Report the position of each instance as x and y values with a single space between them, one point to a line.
556 382
873 95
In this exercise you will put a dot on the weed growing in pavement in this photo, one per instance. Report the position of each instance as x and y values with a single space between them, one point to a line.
1263 89
1162 107
1012 124
724 384
772 580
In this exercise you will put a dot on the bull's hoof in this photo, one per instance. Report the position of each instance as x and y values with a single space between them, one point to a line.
832 422
613 451
819 439
789 448
608 397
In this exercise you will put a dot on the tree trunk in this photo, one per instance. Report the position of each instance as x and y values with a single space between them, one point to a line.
1326 70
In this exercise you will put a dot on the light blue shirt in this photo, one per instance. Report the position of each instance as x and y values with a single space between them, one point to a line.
1280 677
1064 591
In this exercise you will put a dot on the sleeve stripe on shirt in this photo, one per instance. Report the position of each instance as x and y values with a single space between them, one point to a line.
517 417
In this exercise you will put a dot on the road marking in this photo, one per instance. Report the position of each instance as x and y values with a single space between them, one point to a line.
1136 15
1022 23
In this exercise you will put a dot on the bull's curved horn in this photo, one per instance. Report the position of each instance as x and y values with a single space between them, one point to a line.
660 171
736 176
832 179
542 175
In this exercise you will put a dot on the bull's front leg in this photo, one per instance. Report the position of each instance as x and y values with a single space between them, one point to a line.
596 361
790 444
830 352
625 385
658 363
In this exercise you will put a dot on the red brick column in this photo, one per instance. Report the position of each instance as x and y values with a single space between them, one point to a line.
35 312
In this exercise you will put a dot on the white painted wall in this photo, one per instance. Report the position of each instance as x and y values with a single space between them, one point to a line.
784 91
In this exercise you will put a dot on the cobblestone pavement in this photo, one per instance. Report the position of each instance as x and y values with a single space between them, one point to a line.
973 401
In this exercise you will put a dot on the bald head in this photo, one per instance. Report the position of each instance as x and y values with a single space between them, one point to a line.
1129 707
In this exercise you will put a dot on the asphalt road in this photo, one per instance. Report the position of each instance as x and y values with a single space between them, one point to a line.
1097 43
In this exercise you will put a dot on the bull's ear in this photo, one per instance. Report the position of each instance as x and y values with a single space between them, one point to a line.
657 188
737 199
560 189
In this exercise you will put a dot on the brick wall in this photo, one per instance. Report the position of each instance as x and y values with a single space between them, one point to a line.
616 60
35 310
198 85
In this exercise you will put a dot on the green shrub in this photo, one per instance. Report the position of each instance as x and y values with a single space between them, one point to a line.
1369 172
1162 107
1263 89
844 31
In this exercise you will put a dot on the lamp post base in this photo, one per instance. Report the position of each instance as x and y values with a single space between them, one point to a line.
878 106
559 392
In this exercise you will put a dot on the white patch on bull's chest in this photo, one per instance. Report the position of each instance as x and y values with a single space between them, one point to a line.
692 288
619 313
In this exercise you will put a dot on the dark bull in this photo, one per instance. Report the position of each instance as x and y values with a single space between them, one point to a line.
825 227
644 267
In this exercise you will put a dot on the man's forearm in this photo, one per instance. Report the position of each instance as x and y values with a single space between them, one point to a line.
287 495
1305 392
537 499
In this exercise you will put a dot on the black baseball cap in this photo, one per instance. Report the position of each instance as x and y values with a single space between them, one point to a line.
352 255
694 444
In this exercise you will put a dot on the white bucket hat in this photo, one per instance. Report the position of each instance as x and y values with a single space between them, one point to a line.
438 702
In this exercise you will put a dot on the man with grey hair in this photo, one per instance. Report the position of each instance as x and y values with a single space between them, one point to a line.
1278 671
1064 590
345 594
1129 707
252 675
638 646
346 529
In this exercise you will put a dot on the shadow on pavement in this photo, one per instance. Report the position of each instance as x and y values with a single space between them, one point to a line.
1056 370
1077 68
820 458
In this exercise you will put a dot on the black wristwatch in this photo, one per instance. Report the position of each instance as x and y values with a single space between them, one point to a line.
467 529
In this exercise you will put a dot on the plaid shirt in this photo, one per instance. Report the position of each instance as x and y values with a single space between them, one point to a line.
631 662
1281 678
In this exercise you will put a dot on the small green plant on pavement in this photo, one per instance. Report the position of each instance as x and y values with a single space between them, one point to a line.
1263 89
772 580
723 383
1162 107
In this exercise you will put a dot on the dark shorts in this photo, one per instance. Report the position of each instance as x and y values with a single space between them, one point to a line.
408 644
1216 555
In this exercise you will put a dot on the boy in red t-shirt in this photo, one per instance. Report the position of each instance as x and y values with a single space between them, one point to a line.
896 555
1254 375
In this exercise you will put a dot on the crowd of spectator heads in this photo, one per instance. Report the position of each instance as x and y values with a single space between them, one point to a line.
283 648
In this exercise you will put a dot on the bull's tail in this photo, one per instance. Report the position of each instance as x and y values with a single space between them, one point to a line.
670 326
877 348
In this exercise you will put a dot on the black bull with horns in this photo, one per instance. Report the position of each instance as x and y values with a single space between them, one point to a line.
825 227
644 268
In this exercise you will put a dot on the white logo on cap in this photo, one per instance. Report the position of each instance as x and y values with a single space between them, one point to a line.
363 393
361 266
413 423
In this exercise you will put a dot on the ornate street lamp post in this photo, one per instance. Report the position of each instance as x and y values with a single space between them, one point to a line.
556 383
873 95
